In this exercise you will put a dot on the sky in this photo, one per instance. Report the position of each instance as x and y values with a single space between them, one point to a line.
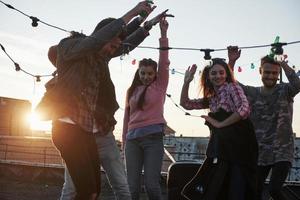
197 24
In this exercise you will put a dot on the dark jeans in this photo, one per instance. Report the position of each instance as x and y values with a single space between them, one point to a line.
79 151
280 171
237 183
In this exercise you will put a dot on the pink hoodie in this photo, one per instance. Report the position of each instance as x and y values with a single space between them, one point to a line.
153 107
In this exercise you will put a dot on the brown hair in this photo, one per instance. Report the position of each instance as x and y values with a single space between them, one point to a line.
268 59
137 82
205 84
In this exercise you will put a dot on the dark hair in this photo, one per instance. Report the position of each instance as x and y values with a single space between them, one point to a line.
206 85
268 59
107 21
137 82
103 23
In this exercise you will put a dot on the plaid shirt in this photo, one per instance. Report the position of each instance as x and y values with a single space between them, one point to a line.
229 96
85 114
84 81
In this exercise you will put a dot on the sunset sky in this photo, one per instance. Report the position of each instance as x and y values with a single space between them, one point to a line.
197 24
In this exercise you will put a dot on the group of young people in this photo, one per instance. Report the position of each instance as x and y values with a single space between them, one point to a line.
251 127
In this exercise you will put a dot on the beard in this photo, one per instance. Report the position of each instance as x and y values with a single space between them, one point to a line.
269 83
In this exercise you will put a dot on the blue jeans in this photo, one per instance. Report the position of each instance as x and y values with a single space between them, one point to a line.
145 152
112 164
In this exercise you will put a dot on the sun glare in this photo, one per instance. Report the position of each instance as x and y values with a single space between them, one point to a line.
36 124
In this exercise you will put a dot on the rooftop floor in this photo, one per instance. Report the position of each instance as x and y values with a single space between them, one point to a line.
19 182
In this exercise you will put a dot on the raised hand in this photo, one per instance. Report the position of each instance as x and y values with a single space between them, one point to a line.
152 22
163 24
234 53
144 14
189 73
141 7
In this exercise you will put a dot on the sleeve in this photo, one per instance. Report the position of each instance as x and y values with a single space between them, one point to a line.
76 48
125 124
239 100
162 79
293 87
132 41
133 25
193 104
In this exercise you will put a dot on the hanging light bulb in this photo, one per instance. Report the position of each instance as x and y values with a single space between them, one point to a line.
34 21
17 67
173 71
38 78
277 50
133 62
207 56
252 66
208 63
279 58
239 69
272 50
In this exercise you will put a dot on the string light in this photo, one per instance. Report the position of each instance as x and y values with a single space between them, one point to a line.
35 20
18 68
185 113
207 56
239 69
133 62
173 71
38 78
276 46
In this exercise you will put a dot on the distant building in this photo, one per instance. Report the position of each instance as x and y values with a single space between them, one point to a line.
13 113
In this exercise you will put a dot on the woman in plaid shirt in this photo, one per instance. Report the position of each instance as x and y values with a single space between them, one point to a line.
230 167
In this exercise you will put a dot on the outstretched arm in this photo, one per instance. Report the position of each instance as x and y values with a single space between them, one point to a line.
164 62
74 49
185 101
138 36
188 77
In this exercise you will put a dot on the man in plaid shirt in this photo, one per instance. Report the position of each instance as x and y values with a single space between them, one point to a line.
83 98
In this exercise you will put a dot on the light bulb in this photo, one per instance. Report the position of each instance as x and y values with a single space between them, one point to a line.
173 71
279 58
239 69
208 63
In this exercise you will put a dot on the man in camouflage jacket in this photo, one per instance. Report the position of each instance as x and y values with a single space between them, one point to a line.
271 114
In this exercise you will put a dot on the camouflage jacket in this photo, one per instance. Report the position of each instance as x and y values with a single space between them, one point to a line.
271 116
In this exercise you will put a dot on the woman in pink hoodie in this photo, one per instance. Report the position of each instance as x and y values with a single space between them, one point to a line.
143 126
